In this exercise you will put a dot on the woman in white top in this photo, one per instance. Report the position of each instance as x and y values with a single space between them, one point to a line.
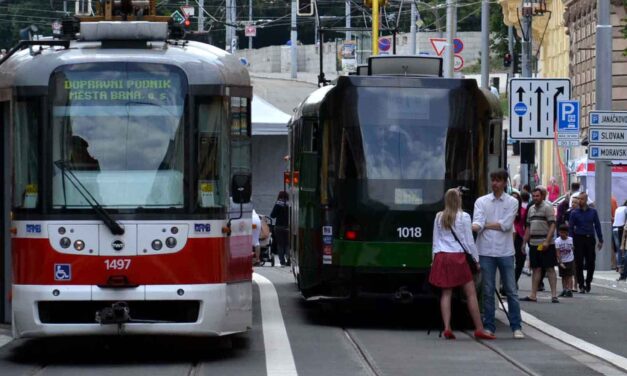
449 268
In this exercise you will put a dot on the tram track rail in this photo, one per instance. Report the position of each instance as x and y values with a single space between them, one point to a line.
372 369
362 353
495 349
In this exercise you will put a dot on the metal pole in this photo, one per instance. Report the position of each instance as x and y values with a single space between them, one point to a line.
234 39
412 29
525 72
347 13
250 22
201 15
293 39
485 44
603 174
375 27
227 15
449 62
511 47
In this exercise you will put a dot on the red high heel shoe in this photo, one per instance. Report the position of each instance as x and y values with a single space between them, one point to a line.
448 334
480 334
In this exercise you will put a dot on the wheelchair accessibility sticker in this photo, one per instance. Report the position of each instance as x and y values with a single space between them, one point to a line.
62 272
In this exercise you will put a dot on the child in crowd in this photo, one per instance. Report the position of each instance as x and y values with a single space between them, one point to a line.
566 260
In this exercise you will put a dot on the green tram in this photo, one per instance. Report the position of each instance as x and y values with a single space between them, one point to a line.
371 157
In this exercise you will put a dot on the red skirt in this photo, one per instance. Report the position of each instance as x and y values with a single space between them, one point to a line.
450 270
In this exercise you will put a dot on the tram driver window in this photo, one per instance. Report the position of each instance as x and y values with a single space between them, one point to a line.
240 136
26 155
212 160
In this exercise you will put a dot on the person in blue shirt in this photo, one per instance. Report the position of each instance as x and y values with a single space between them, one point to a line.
584 222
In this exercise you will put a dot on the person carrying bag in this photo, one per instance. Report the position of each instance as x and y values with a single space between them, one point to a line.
450 267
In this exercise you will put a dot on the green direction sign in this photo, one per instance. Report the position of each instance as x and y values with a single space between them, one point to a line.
177 17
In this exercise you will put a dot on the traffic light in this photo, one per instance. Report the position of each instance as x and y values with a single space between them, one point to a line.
305 8
187 23
507 60
517 62
368 3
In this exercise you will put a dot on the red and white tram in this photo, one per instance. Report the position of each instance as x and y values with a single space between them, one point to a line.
130 168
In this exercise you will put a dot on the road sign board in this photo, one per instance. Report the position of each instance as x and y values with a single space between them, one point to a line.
459 63
177 17
458 45
188 10
384 44
533 106
568 116
608 136
440 44
250 31
567 143
608 119
568 123
607 152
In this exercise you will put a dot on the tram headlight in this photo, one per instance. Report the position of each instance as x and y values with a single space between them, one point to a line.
170 242
65 242
79 245
157 244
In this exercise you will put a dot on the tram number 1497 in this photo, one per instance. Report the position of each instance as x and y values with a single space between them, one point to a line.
117 264
409 232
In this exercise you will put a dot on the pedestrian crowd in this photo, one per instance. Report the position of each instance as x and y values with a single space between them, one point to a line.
505 226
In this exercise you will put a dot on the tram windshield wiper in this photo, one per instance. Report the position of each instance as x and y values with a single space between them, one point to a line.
111 223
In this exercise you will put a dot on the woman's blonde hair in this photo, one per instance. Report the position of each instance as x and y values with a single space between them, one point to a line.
452 205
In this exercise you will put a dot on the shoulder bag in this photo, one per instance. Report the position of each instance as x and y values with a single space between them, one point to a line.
469 259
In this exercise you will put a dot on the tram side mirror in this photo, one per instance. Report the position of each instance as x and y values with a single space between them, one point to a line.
241 188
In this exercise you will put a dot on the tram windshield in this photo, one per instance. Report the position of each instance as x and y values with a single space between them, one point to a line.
407 144
119 128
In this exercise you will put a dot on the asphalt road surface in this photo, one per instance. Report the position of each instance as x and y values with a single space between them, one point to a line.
293 337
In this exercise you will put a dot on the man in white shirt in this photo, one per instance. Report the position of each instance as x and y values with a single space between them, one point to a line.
617 233
493 220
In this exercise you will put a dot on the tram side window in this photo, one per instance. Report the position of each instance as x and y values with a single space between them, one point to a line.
240 136
212 152
26 155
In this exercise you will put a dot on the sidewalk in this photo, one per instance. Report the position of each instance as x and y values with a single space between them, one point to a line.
608 279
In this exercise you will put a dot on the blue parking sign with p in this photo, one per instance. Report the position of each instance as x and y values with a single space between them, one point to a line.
568 115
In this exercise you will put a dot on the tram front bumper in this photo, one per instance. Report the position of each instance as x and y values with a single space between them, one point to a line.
213 309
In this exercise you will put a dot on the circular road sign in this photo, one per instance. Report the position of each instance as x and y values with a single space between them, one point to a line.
458 45
385 44
520 109
459 63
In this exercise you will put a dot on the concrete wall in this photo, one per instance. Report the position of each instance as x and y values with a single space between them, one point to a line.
276 59
268 167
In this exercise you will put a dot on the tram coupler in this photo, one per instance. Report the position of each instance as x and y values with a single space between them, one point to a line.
403 295
118 313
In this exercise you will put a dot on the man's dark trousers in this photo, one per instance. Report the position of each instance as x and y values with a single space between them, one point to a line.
584 250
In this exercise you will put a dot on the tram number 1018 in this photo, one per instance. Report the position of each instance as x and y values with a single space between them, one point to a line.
409 232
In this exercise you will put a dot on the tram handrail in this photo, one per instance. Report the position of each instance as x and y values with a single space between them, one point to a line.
29 43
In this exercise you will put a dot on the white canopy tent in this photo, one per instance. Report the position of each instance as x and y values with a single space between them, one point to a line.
585 171
267 119
269 129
